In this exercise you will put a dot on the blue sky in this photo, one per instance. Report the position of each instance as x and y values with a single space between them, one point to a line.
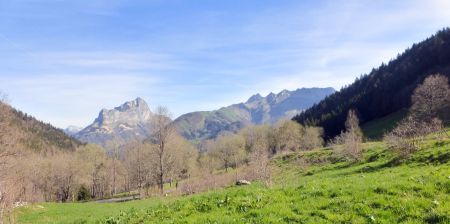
63 61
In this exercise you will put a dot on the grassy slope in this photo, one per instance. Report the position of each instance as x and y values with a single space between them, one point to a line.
377 190
375 129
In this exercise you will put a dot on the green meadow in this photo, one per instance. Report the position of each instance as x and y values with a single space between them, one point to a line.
317 186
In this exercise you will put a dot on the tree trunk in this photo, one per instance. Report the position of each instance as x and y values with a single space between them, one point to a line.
161 170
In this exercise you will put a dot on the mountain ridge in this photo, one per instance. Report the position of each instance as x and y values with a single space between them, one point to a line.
131 120
256 110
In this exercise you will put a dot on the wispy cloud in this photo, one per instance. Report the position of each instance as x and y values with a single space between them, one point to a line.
108 60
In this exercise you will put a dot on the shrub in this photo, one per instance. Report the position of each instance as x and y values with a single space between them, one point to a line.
83 194
348 143
407 136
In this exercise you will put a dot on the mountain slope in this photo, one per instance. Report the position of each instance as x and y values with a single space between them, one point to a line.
385 90
22 131
128 122
257 110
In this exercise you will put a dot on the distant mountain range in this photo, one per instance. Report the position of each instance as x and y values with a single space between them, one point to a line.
131 120
257 110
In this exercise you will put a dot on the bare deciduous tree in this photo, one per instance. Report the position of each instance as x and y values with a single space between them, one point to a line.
137 165
430 102
349 142
287 136
312 138
162 133
229 149
407 136
7 151
96 167
431 99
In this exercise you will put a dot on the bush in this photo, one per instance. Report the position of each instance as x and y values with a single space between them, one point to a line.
407 136
83 194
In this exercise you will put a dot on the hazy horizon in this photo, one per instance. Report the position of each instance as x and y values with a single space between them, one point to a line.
65 61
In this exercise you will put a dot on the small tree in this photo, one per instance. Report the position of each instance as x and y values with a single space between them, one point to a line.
351 139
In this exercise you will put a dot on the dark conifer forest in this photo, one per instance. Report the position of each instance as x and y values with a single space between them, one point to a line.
385 90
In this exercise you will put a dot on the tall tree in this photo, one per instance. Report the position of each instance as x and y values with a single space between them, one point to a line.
6 152
162 133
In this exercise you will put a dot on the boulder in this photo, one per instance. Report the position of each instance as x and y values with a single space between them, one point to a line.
243 182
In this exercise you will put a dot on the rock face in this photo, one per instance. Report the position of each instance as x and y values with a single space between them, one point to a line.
257 110
125 123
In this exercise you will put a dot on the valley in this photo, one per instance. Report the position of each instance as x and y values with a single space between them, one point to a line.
130 112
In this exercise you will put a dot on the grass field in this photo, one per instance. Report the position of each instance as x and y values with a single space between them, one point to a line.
380 189
375 129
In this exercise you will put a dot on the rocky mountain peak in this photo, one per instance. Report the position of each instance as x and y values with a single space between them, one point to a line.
131 112
254 98
127 121
137 103
271 97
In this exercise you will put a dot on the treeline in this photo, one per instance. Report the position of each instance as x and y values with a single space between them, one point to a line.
384 90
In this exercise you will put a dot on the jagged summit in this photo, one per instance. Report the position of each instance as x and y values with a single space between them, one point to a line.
138 102
257 110
123 123
256 97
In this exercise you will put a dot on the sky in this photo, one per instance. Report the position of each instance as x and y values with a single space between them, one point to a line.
62 61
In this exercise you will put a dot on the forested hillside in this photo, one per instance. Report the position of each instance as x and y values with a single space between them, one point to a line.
30 134
385 90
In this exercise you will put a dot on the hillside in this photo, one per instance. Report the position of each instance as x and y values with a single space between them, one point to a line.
379 189
28 133
385 90
257 110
